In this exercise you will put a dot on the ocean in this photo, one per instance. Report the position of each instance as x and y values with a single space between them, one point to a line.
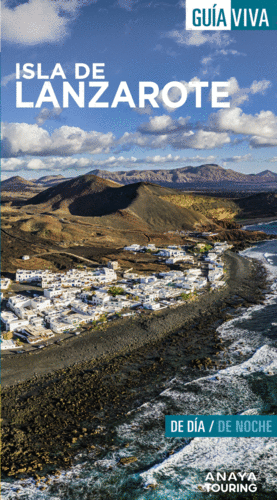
175 469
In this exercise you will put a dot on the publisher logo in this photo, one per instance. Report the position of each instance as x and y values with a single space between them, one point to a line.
207 15
236 482
230 15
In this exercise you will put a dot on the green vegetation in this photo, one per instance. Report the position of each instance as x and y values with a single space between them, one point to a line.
206 248
202 248
189 295
115 290
7 335
186 296
103 318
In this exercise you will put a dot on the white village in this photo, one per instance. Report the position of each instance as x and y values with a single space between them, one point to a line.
80 297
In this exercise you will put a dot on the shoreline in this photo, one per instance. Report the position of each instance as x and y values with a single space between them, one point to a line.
256 221
48 419
114 339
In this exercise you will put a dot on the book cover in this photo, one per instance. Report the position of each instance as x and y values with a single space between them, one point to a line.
138 250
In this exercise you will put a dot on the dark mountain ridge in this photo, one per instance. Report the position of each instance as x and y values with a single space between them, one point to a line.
204 177
207 177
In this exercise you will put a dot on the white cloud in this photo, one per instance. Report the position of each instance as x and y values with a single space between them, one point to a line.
12 164
260 87
35 164
61 164
240 95
238 159
261 127
20 139
55 164
142 141
39 21
8 78
162 159
47 114
199 38
263 142
163 131
201 139
228 52
163 124
206 60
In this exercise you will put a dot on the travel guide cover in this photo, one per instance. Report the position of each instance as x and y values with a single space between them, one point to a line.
138 250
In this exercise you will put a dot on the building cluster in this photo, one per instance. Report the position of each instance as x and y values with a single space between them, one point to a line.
82 296
172 253
215 265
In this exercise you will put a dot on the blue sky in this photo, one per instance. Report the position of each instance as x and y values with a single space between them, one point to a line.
137 41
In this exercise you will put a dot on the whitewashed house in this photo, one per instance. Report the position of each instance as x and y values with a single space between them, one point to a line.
7 317
18 301
154 306
50 293
5 283
133 248
147 279
12 324
100 299
40 303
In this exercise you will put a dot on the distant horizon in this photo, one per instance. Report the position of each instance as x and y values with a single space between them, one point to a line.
119 171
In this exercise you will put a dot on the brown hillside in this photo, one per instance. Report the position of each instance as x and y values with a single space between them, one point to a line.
150 206
18 183
140 204
86 195
17 189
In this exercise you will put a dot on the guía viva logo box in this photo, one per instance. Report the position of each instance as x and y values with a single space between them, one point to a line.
231 15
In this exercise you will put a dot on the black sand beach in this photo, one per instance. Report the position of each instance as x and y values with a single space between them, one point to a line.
65 398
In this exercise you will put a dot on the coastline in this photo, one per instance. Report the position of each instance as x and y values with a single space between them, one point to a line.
256 221
67 407
124 335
